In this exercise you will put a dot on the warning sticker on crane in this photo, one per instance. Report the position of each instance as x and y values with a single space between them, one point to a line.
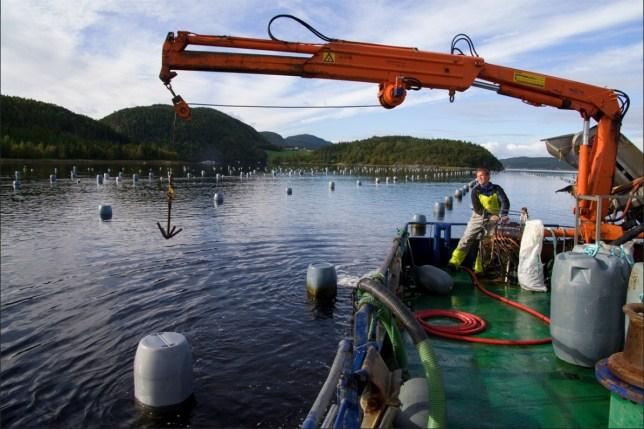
329 57
530 79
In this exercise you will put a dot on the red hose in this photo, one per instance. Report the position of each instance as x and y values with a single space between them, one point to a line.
473 324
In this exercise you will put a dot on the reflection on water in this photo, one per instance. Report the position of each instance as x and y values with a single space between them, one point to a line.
78 294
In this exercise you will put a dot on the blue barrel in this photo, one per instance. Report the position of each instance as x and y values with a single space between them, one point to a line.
588 292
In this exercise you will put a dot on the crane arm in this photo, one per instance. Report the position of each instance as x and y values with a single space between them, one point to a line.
397 70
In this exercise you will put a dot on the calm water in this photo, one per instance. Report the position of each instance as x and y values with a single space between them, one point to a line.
78 294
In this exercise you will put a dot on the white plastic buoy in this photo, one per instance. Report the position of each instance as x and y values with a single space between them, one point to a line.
105 211
332 186
52 178
458 194
358 183
135 178
163 370
16 185
377 180
106 177
99 179
321 280
289 191
448 202
203 173
218 198
17 175
418 230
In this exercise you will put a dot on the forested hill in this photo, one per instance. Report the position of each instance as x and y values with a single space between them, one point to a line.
33 129
537 163
405 150
302 141
210 135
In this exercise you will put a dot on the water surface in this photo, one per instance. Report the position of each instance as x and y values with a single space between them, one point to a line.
78 294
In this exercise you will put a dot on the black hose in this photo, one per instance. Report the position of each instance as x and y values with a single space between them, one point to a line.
397 307
628 235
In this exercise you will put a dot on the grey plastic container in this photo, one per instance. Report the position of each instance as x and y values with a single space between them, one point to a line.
587 322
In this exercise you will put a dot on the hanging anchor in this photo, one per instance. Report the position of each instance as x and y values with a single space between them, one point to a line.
170 194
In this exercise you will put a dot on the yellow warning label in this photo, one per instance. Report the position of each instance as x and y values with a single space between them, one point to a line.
530 79
329 57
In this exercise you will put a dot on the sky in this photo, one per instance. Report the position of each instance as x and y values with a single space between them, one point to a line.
96 57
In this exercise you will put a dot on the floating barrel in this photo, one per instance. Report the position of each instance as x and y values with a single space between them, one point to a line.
163 370
458 194
321 280
358 183
418 230
16 184
588 292
52 178
289 191
439 209
218 198
332 186
448 202
203 173
99 179
105 211
377 180
17 175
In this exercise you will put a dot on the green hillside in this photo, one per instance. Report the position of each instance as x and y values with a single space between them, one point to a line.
209 136
403 150
306 141
33 129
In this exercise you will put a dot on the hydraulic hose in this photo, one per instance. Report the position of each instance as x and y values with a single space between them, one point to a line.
473 324
328 389
428 359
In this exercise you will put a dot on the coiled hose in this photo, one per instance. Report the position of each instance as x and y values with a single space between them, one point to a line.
428 358
473 324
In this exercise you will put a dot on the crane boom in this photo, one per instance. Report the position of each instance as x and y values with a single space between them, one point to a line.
397 70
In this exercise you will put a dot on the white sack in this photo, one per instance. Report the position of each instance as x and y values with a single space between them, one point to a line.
530 269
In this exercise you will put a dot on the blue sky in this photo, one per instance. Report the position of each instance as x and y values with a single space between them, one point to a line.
95 57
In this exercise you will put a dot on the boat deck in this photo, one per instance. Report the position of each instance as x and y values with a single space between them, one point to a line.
491 386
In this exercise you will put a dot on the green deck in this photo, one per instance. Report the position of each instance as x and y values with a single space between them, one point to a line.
491 386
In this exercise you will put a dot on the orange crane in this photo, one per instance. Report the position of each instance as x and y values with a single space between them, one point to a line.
397 70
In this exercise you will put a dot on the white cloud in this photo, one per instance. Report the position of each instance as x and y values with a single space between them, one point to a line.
100 56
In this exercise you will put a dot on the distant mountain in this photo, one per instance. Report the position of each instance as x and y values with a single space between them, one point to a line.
273 138
306 141
537 163
210 135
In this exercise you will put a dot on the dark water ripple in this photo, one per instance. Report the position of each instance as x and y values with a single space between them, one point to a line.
78 294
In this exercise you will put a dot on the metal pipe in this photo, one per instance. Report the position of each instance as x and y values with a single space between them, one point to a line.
485 85
328 389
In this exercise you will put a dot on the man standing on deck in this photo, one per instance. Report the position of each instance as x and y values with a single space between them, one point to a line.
490 205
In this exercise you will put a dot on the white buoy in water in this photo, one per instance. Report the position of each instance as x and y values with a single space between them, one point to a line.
99 179
321 280
105 211
135 178
377 180
203 173
289 191
16 184
448 202
163 370
332 186
458 194
52 178
218 198
418 230
358 183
